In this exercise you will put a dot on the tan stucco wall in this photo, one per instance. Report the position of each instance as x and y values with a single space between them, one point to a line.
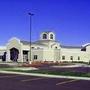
75 53
47 52
39 53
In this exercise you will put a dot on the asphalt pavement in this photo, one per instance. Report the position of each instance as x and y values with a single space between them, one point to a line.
25 82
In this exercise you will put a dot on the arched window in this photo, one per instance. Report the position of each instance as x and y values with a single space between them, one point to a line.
44 36
51 36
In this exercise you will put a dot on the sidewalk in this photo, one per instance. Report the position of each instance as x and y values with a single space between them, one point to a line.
46 75
72 66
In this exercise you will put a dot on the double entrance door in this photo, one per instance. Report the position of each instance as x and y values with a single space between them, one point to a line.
25 56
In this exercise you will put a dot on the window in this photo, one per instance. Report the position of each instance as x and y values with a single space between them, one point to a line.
78 58
56 47
51 36
32 47
1 57
25 52
63 57
71 58
44 36
35 56
83 49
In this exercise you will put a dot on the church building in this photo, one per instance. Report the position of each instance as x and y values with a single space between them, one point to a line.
44 49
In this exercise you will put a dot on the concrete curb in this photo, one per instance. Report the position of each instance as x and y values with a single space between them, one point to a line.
46 75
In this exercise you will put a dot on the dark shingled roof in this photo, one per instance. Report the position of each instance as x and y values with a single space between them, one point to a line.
71 46
28 43
25 42
39 42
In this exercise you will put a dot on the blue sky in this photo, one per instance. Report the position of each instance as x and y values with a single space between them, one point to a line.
69 19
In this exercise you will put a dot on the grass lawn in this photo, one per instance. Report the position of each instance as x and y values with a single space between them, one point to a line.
66 73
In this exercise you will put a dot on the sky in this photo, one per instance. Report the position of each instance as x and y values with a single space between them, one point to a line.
68 19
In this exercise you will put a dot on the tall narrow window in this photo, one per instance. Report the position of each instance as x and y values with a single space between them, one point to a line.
63 57
44 36
1 57
51 36
35 57
71 58
78 58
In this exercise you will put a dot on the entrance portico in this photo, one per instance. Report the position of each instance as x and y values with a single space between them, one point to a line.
17 51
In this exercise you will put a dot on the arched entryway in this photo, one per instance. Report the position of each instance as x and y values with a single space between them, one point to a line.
14 54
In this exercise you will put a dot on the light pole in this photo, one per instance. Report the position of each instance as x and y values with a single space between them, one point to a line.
30 14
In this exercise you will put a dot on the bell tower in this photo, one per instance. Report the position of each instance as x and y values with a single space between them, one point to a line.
47 36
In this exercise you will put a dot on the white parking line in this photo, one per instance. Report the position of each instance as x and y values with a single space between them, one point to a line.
65 82
26 80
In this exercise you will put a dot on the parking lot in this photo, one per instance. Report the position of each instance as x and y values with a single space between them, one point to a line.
22 82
